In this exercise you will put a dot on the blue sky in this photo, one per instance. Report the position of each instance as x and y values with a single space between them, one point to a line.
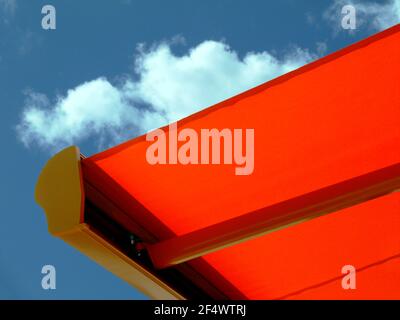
114 69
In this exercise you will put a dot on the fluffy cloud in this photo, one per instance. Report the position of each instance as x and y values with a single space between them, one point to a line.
165 88
92 108
371 14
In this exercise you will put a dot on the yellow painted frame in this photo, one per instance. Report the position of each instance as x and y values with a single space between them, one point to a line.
59 191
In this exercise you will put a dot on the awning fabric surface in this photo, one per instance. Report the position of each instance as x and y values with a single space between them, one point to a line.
328 122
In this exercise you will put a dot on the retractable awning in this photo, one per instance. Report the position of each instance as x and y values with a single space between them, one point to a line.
322 194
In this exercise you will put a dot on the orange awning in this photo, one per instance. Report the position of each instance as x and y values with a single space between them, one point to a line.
326 136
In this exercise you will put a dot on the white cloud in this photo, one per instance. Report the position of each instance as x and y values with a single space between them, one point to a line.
370 14
92 108
166 87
